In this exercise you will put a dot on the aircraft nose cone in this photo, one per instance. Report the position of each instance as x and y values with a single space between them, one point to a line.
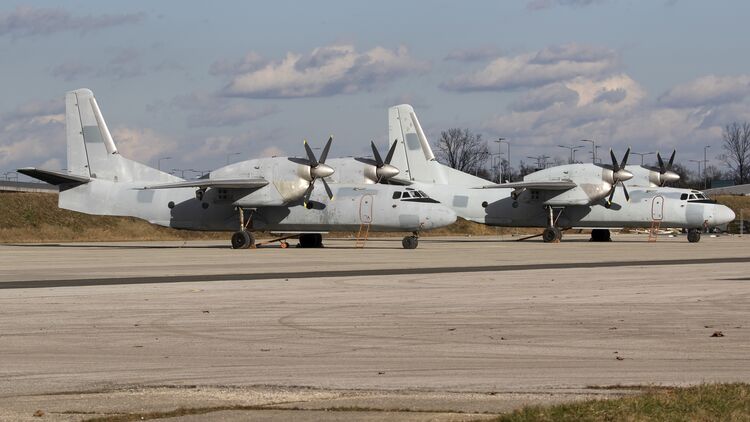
623 175
723 215
386 171
322 170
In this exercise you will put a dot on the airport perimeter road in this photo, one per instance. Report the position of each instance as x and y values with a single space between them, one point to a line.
476 340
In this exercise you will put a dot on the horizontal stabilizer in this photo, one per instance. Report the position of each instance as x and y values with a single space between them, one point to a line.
213 183
551 185
54 177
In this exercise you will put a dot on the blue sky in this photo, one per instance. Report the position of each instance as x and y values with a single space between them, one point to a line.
196 82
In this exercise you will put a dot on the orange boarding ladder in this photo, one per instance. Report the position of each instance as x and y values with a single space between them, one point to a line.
364 231
653 232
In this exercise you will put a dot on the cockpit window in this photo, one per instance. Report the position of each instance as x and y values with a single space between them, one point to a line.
692 196
683 196
406 195
424 195
396 195
416 194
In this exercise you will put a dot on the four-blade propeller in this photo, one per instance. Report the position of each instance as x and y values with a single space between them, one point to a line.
665 171
318 169
619 175
383 169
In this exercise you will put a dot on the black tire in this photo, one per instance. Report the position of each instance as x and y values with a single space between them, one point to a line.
551 234
311 240
242 240
410 242
600 235
694 235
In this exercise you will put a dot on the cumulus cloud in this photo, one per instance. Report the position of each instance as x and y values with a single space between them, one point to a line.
26 21
326 71
708 90
531 70
211 111
545 97
142 144
31 132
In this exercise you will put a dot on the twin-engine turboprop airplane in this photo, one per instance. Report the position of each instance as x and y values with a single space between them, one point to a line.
278 194
568 196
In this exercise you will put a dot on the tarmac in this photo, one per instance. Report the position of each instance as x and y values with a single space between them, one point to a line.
458 329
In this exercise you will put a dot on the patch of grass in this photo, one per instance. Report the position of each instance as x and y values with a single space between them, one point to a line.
708 402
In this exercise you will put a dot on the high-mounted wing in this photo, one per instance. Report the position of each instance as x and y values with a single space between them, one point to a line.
54 177
546 185
212 183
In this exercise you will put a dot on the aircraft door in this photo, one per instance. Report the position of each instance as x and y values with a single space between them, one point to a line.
365 209
657 208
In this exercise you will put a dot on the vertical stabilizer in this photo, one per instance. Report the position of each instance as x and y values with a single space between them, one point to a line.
413 156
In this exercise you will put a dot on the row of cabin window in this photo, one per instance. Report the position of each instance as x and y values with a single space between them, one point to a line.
414 194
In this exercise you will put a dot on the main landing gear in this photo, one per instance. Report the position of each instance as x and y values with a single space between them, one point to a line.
552 234
600 235
311 240
243 239
694 235
411 242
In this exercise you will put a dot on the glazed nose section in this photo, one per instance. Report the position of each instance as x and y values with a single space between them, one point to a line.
722 215
440 217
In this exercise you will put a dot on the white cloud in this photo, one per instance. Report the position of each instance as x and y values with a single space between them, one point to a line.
530 70
708 90
30 133
142 144
211 111
326 71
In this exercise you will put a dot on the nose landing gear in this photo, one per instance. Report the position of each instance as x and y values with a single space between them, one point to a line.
410 242
694 235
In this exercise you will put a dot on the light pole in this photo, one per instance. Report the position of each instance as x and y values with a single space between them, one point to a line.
231 154
572 149
699 165
541 161
510 163
705 166
593 149
158 163
642 154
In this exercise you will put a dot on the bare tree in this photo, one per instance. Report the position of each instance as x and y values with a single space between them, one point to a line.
462 150
736 144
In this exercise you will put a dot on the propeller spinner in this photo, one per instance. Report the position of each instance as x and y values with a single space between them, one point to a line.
318 169
665 174
618 176
383 169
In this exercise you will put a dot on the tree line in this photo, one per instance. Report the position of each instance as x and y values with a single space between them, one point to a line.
467 151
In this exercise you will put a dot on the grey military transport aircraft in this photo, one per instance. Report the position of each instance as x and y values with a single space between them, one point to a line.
277 194
568 196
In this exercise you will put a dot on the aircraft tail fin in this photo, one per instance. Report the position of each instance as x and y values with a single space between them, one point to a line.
413 156
91 150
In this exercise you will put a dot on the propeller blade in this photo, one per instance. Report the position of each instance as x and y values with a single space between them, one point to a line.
671 159
389 157
625 158
376 154
308 192
324 154
310 154
611 193
328 189
662 169
615 166
625 191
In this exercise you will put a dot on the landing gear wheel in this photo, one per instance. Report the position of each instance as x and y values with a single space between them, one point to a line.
410 242
551 234
243 240
600 235
694 235
313 240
